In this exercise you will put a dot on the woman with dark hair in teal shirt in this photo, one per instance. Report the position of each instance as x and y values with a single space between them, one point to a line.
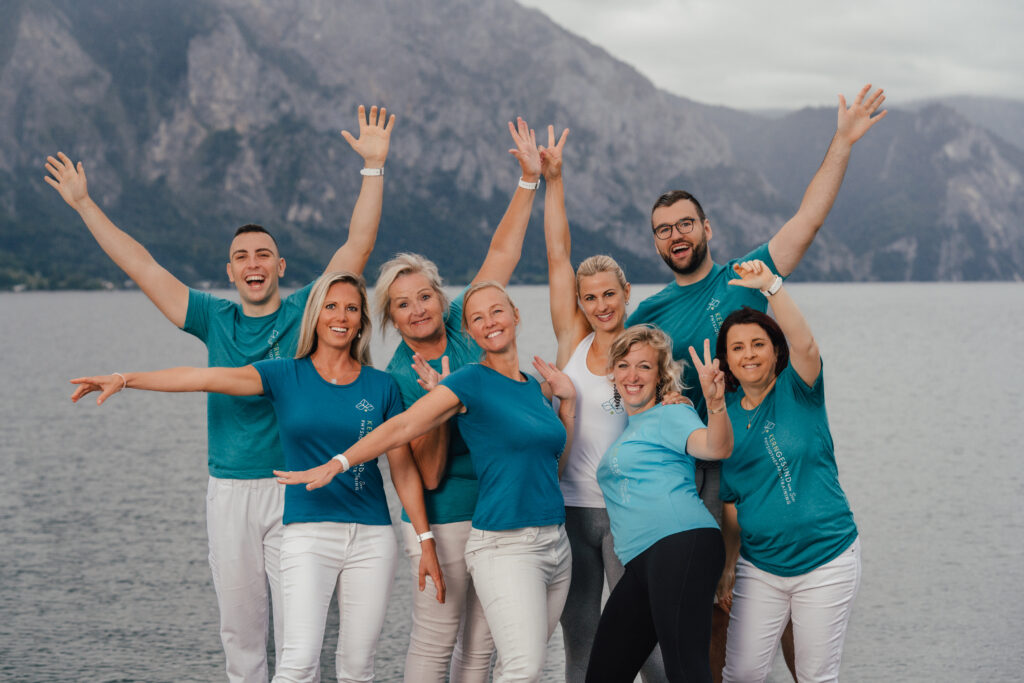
791 543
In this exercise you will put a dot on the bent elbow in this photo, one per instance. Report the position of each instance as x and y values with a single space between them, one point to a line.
431 481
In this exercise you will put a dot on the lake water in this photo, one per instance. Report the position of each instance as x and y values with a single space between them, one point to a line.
103 571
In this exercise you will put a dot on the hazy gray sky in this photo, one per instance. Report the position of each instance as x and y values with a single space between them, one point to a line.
792 53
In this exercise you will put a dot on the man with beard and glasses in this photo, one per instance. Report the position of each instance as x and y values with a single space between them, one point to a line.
692 308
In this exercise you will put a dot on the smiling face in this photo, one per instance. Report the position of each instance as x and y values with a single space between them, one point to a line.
415 308
751 355
603 301
255 267
684 254
636 377
491 319
339 324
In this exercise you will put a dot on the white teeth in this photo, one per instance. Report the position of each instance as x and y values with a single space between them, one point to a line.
493 334
340 330
254 278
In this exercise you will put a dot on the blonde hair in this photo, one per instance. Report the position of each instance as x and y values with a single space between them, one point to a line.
669 370
360 347
600 263
405 264
473 289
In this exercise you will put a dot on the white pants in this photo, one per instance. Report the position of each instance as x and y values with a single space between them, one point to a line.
819 603
316 558
521 577
453 635
243 524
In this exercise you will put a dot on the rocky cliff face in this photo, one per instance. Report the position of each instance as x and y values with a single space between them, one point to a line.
197 116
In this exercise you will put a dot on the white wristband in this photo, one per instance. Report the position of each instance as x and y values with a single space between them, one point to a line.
344 462
425 536
372 171
528 186
773 288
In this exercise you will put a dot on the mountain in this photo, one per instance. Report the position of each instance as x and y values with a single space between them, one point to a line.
196 116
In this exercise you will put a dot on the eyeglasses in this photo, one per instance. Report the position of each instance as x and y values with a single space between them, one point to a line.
684 225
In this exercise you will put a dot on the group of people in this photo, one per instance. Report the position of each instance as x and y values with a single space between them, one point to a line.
521 495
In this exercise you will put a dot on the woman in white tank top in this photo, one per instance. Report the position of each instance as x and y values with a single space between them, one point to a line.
585 328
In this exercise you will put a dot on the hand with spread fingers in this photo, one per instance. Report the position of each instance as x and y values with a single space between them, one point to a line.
428 376
525 151
314 478
858 118
561 386
68 179
551 156
753 275
107 385
712 379
374 136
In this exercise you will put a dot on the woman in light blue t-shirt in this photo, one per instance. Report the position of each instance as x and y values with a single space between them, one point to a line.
517 552
337 538
791 542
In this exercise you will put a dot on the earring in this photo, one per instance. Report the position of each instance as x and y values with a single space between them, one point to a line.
616 397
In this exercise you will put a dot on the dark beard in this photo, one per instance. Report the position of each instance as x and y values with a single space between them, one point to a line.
698 253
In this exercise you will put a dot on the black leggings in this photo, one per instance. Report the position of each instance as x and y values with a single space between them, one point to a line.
665 597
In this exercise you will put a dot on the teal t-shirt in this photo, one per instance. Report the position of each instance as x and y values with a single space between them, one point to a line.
647 478
455 499
514 440
691 314
316 421
242 430
782 476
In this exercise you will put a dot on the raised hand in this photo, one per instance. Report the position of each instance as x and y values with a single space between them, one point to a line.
712 379
561 385
857 119
551 156
525 151
374 136
67 178
314 478
428 376
107 385
753 275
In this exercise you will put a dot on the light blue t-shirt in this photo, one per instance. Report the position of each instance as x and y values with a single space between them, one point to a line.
317 420
514 439
242 430
647 478
782 476
691 314
455 499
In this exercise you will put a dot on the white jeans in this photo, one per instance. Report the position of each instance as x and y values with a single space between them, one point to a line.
521 577
453 635
819 603
243 524
317 557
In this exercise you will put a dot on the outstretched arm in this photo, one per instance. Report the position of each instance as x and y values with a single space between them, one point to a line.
715 441
243 381
167 292
567 319
372 145
409 488
425 414
507 244
803 349
792 240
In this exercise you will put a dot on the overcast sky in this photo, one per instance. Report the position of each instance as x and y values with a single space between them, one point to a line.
755 54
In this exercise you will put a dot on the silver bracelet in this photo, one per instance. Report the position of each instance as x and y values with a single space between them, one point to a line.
372 171
123 386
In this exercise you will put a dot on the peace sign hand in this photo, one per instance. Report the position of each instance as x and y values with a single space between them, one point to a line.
712 379
428 376
753 275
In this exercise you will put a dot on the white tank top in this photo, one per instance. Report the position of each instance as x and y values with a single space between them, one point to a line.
598 424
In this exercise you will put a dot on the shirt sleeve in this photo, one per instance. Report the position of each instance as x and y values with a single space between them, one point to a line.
677 423
393 404
801 392
464 383
761 253
197 315
270 375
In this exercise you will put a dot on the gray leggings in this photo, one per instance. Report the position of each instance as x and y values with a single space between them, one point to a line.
593 560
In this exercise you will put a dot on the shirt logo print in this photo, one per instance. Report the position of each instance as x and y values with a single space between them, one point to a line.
609 407
713 304
364 406
768 426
